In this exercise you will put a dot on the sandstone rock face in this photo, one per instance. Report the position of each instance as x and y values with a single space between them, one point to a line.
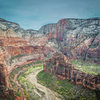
38 40
59 66
75 38
12 41
31 31
11 29
78 38
47 28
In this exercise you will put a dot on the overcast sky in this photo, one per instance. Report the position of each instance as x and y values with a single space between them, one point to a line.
35 13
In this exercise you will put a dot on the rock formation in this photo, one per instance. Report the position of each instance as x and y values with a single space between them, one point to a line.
77 38
16 50
59 66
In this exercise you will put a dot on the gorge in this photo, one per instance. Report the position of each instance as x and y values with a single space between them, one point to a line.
68 49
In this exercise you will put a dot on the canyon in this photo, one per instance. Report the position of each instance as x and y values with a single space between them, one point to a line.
74 38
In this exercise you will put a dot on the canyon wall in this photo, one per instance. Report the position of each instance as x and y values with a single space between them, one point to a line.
77 38
16 49
11 29
59 66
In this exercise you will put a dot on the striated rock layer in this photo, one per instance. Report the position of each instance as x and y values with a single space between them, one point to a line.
77 38
59 66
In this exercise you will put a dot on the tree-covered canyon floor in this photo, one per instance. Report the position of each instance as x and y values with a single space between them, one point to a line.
30 82
65 88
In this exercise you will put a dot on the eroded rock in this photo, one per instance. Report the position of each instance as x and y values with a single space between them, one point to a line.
59 66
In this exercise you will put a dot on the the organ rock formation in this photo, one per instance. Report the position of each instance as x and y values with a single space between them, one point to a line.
59 66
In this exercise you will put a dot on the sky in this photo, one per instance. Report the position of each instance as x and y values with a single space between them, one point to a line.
32 14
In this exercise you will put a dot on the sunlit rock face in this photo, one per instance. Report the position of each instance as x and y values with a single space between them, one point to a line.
77 38
12 29
17 48
59 66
